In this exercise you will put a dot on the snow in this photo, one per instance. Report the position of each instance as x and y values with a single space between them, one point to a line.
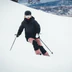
56 32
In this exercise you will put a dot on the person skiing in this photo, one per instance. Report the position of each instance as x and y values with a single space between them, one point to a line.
32 30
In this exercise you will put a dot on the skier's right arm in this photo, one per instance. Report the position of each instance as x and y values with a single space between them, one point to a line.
20 30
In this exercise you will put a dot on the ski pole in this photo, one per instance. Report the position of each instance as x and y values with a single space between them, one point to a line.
46 46
13 44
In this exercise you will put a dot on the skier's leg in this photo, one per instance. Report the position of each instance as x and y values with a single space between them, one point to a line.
44 52
35 45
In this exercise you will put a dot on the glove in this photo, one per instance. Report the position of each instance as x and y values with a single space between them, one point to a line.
16 35
37 35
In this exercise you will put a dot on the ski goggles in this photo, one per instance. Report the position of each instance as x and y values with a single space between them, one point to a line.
27 16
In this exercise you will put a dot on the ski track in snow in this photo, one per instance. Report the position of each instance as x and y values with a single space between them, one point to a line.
56 33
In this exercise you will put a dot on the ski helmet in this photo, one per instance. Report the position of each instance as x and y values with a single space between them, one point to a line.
27 13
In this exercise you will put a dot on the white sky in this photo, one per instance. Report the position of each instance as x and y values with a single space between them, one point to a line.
56 33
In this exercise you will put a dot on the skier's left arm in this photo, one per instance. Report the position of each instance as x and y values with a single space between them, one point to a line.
38 29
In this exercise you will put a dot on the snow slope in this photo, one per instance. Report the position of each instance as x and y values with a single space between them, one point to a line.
56 33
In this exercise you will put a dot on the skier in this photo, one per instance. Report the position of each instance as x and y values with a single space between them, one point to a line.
32 30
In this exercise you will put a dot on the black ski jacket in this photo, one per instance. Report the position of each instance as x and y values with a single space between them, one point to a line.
31 27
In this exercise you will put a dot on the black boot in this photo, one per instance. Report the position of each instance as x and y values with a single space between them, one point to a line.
42 49
36 47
